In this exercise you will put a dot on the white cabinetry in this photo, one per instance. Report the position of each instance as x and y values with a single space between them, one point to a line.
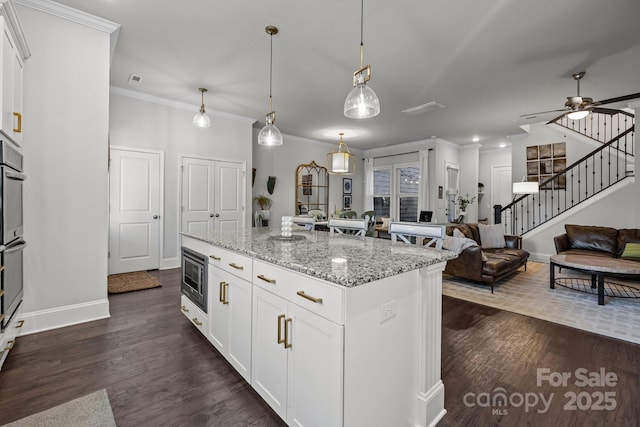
297 355
8 336
230 316
194 314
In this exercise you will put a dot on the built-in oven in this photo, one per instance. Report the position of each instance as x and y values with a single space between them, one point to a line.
12 243
194 277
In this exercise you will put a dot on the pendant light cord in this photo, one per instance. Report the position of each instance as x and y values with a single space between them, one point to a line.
361 32
271 73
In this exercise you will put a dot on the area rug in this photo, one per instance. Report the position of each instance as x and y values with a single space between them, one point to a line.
134 281
92 410
528 293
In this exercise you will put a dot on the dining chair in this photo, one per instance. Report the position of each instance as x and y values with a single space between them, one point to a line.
405 231
356 227
370 218
349 214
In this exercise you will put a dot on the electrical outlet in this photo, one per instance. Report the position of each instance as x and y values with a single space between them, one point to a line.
388 310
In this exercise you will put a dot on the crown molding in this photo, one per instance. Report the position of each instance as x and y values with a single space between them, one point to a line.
469 146
8 10
74 15
141 96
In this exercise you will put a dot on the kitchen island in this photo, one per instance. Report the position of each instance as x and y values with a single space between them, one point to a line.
330 330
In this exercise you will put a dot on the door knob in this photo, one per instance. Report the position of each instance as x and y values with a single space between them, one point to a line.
210 215
156 216
217 215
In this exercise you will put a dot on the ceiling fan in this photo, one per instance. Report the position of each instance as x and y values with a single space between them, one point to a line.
578 107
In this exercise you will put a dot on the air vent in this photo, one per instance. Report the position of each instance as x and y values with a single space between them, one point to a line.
424 108
134 80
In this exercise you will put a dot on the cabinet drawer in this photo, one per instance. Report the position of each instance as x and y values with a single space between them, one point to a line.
231 262
8 336
194 314
317 296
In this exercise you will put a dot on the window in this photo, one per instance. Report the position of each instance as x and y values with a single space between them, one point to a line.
382 192
408 182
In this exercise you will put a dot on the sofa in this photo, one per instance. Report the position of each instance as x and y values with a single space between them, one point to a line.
490 263
594 240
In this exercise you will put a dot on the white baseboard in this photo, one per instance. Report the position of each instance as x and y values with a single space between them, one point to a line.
168 263
59 317
538 257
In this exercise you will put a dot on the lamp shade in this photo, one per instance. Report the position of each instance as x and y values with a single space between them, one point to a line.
341 162
362 102
525 187
578 115
270 135
201 120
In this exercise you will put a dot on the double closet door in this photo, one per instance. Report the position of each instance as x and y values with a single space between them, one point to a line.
213 193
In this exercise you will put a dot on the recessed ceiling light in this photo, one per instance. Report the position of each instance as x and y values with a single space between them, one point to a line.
502 145
475 139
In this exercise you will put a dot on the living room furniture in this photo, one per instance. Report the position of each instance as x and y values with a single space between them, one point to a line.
597 267
595 240
486 264
416 233
356 227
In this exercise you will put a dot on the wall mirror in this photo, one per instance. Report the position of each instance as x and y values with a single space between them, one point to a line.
312 191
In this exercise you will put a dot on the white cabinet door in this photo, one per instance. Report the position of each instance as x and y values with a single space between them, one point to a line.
218 310
268 355
239 320
134 210
230 318
315 370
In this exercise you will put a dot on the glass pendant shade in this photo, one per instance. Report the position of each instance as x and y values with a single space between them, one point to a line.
201 119
578 115
361 103
341 162
270 135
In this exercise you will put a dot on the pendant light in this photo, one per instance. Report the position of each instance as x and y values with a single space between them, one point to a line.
341 162
201 119
362 102
270 135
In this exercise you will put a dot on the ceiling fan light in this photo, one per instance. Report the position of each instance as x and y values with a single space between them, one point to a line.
578 115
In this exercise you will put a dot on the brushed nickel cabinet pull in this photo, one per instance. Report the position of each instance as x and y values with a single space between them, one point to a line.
196 321
185 309
236 266
266 279
10 343
280 339
1 267
20 323
215 258
287 343
225 299
309 297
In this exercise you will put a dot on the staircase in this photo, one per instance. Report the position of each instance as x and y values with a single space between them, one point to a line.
599 170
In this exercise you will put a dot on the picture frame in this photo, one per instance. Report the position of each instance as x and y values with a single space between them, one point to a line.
346 202
346 185
545 160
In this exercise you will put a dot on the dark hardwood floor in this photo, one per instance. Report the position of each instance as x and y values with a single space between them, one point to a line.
158 370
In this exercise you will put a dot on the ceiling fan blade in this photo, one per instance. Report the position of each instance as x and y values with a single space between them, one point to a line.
556 118
601 110
618 99
533 115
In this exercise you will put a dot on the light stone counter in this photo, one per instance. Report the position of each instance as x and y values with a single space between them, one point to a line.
367 260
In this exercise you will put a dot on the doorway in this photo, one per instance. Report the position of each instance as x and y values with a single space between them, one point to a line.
136 180
501 191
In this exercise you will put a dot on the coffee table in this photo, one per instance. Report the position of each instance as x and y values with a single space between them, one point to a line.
597 267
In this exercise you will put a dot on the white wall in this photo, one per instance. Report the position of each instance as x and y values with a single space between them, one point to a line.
66 119
155 124
282 163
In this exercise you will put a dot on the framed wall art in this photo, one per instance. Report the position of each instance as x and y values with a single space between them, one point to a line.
544 161
346 185
346 202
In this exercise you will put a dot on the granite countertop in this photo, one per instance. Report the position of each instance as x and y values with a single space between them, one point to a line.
366 260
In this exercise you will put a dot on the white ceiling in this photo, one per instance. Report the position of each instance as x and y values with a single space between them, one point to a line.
487 61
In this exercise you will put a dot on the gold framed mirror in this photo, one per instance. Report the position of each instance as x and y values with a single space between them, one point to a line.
312 191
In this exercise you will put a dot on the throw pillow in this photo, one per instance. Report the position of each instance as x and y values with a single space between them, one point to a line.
457 244
484 257
458 233
631 251
491 236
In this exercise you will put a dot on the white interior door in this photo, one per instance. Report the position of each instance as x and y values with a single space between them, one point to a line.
229 196
134 210
501 190
198 183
